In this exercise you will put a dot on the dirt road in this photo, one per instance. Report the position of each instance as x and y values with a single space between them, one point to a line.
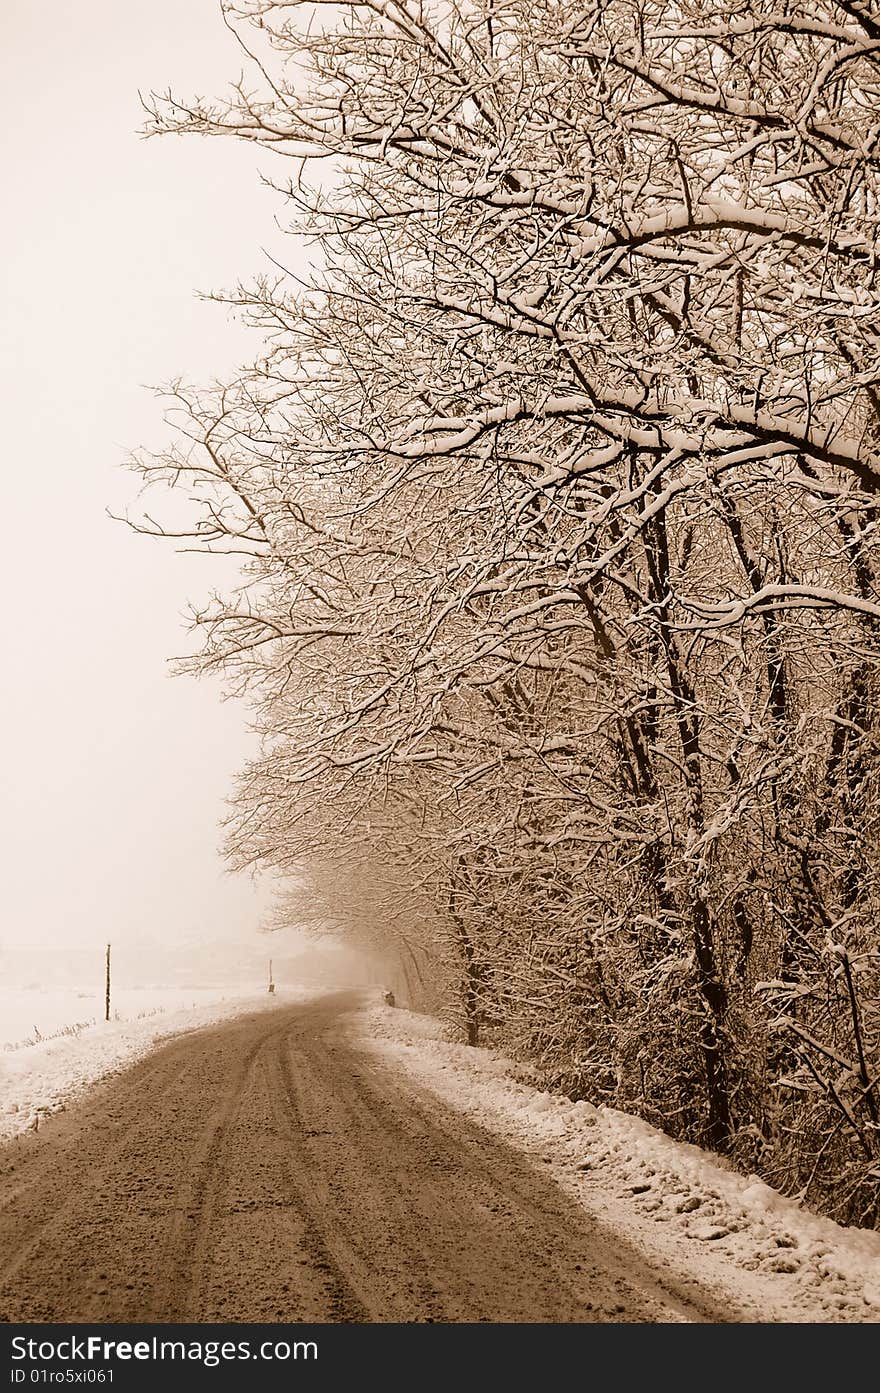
265 1170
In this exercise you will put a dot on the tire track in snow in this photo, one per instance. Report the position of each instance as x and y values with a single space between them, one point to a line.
267 1170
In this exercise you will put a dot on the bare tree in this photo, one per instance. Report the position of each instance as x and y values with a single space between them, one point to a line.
555 494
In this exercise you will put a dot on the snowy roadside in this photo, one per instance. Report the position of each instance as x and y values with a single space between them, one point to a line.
693 1219
46 1077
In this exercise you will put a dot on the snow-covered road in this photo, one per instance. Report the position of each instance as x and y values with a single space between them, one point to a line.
268 1169
762 1257
337 1160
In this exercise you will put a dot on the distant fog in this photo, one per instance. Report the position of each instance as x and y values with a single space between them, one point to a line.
218 964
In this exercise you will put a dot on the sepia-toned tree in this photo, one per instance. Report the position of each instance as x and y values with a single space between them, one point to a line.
555 492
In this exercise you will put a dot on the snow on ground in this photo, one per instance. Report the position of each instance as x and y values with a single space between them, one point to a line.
44 1077
29 1014
695 1220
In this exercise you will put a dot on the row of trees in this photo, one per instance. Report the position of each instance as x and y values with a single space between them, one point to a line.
556 492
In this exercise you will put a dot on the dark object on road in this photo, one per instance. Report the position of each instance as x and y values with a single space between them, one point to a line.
388 998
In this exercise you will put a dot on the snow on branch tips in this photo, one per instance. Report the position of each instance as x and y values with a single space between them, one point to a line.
555 489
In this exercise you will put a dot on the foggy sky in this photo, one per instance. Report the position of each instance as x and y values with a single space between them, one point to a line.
114 772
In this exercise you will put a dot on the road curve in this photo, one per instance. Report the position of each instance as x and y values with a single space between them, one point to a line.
265 1170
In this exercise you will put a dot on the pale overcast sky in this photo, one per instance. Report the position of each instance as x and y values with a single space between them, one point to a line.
114 772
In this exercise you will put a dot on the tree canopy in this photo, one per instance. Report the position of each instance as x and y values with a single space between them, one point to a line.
555 492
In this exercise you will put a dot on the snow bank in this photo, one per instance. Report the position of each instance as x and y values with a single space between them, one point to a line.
681 1207
43 1078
